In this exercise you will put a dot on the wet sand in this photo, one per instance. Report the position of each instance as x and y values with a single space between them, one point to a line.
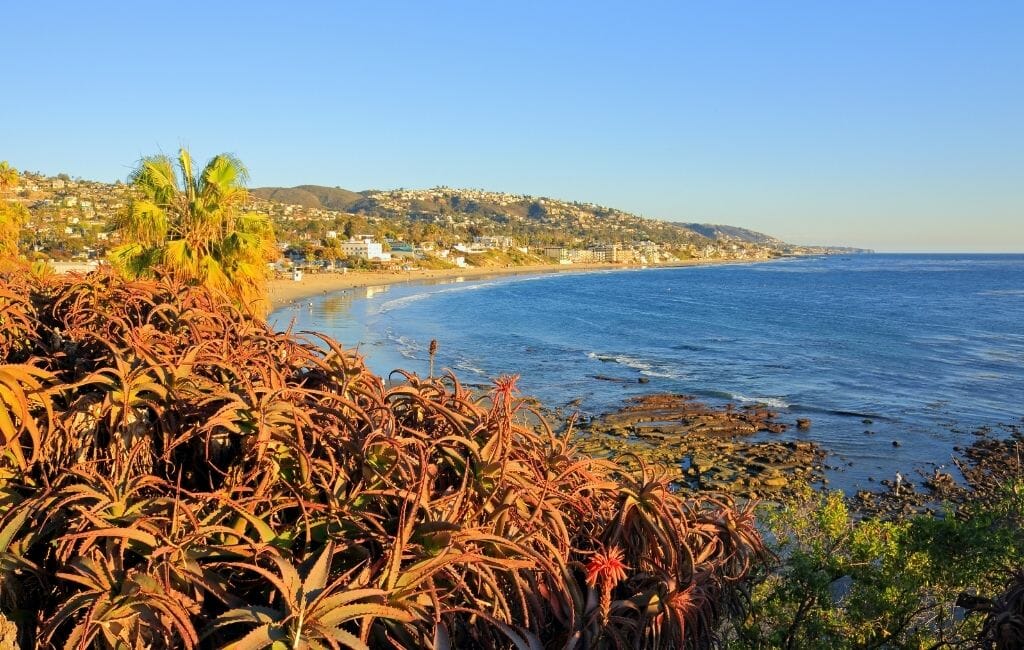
285 291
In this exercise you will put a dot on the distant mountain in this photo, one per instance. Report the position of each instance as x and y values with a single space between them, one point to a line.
311 196
718 232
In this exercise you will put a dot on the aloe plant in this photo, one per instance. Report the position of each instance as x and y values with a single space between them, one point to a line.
176 474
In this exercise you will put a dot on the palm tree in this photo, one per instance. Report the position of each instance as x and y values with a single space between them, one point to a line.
8 177
194 226
12 216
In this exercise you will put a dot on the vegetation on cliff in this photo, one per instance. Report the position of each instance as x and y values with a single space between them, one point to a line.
12 216
841 581
176 474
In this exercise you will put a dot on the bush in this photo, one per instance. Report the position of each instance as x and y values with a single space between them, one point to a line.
176 474
846 583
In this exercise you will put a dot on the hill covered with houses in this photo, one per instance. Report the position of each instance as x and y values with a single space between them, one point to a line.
474 220
72 222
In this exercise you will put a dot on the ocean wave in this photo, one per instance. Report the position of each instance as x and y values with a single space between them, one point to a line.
407 347
665 374
622 359
398 303
643 366
404 301
465 365
406 342
772 402
1002 292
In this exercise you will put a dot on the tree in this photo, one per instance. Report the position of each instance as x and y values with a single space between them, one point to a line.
537 210
194 226
12 216
8 178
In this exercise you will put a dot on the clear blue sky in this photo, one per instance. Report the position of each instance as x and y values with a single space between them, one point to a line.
893 125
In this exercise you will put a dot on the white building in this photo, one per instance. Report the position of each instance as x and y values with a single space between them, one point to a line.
501 242
365 248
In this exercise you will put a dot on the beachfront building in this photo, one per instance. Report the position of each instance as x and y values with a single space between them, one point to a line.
577 256
500 242
558 253
365 248
607 253
472 249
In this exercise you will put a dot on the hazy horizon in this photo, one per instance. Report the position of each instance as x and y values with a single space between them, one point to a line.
891 127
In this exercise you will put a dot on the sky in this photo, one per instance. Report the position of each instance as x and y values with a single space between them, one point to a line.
897 126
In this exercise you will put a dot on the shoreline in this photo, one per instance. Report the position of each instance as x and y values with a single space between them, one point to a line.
833 469
284 292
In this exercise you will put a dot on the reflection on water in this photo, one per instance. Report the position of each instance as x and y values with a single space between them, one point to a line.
337 304
370 292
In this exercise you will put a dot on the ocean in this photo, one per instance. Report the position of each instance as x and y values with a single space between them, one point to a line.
920 350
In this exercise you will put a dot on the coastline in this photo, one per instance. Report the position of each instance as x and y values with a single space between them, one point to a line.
285 291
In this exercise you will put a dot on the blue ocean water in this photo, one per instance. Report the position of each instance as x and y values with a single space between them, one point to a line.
926 347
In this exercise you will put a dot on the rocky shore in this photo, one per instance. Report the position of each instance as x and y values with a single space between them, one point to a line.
730 449
976 474
706 448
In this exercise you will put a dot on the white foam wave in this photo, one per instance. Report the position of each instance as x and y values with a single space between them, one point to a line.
405 301
468 367
772 402
622 359
407 347
665 374
645 367
408 343
633 362
398 303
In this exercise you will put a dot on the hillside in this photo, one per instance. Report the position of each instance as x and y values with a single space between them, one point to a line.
719 232
310 196
71 220
539 220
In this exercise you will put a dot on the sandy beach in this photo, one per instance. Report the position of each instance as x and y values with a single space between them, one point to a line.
285 291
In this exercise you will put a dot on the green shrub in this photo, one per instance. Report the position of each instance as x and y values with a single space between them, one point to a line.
839 582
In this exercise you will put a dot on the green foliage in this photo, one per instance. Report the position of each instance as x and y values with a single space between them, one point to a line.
12 219
192 225
846 583
8 177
